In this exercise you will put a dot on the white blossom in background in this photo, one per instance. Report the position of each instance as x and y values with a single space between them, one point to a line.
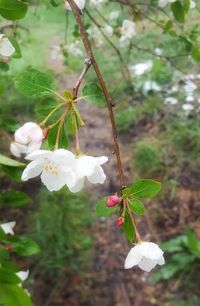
127 30
23 275
141 68
27 139
163 3
189 89
158 51
89 167
146 255
54 167
8 227
192 4
171 100
74 48
151 86
114 15
56 53
6 48
187 108
79 3
108 30
94 34
97 3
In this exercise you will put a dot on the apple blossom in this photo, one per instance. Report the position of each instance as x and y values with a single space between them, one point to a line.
54 167
79 3
89 167
113 200
141 68
6 48
8 227
127 30
23 275
28 138
146 255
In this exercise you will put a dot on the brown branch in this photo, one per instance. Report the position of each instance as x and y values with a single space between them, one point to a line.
86 67
89 52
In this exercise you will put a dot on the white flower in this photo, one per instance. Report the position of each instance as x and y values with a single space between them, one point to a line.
97 3
28 138
89 167
54 167
163 3
146 255
141 68
158 51
171 100
187 107
23 275
109 30
127 30
8 227
6 48
151 86
192 4
74 48
114 15
79 3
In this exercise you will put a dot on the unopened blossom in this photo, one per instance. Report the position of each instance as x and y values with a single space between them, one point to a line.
23 275
27 139
108 30
54 167
114 15
8 227
146 255
113 201
171 100
127 30
79 3
120 222
6 48
141 68
89 167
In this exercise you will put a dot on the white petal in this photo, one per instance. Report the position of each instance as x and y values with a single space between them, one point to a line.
17 149
150 250
8 227
39 154
98 176
161 261
101 160
20 137
133 258
23 275
64 157
147 264
6 48
85 166
32 170
70 177
78 186
54 182
32 147
32 131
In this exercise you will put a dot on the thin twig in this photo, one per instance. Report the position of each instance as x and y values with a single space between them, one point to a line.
86 67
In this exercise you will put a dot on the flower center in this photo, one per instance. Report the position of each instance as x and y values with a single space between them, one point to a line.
51 168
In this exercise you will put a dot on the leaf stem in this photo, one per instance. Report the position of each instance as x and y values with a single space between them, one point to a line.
51 113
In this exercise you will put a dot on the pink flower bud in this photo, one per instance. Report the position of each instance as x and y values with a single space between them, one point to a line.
113 200
119 221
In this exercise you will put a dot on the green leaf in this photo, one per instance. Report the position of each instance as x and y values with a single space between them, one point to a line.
102 210
196 54
174 245
178 11
128 228
14 198
126 191
145 188
15 44
34 84
193 243
14 173
10 162
10 125
13 9
55 3
8 277
13 295
45 106
94 94
24 246
136 206
63 141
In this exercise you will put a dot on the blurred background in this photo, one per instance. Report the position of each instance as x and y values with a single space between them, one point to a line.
155 84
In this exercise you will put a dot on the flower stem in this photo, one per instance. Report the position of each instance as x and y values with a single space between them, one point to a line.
59 129
51 113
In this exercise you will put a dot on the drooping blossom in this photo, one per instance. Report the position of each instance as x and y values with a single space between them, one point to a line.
56 168
79 3
146 255
89 167
6 48
127 30
8 227
27 139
